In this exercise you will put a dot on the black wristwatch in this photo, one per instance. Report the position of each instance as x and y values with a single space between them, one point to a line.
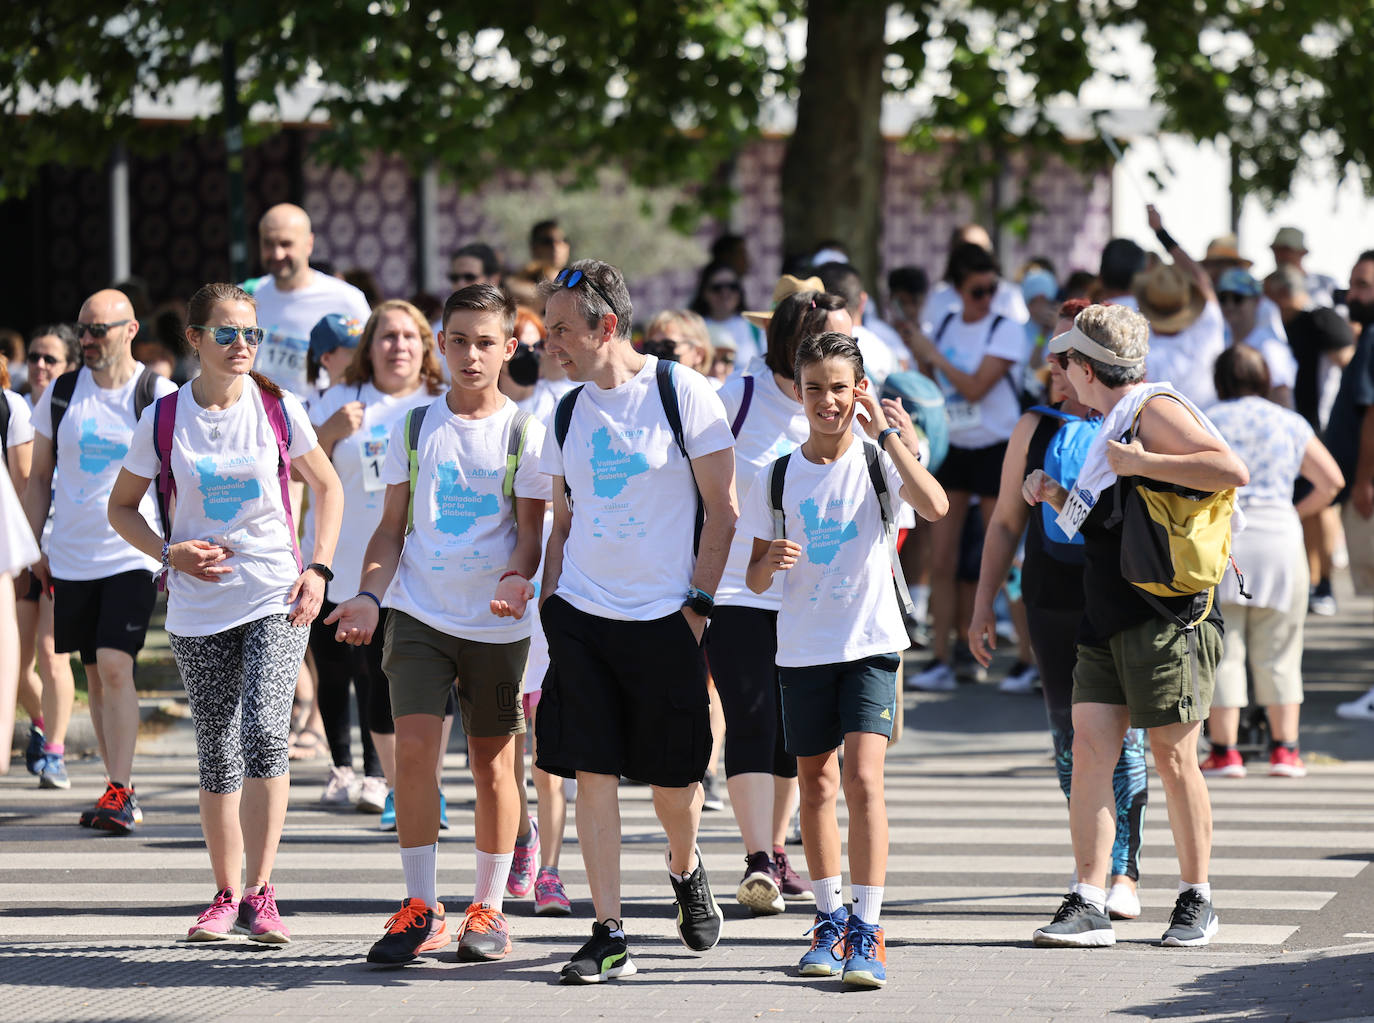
324 571
700 602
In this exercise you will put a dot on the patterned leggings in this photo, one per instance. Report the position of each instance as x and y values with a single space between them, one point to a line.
240 683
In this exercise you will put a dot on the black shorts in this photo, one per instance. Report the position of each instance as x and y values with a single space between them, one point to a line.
623 698
33 591
336 664
113 613
823 703
741 648
973 470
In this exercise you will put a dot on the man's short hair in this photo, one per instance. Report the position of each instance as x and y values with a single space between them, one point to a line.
830 345
968 259
843 279
539 232
910 280
484 253
483 298
1287 280
592 301
1122 259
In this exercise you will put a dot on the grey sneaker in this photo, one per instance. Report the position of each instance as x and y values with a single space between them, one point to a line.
1078 924
1192 921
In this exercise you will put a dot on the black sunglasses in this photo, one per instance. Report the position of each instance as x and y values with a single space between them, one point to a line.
724 286
225 336
1060 359
34 358
570 278
463 278
98 330
1231 298
986 291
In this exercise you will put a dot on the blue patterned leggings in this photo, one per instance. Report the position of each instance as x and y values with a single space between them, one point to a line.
241 683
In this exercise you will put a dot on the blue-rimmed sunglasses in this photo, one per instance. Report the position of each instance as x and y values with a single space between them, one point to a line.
225 336
570 278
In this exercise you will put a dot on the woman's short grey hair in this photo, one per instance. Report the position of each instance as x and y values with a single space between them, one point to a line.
1125 332
590 302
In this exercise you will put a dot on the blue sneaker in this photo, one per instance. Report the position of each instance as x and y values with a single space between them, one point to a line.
443 813
33 752
52 772
824 958
388 819
865 955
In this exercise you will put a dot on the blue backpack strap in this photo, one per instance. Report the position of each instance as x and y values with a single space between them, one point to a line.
777 477
879 479
562 419
744 404
668 393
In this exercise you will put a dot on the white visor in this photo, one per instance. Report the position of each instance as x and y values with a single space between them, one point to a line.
1075 340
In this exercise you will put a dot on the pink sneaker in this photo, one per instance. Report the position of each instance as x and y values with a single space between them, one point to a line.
521 878
217 922
549 897
258 917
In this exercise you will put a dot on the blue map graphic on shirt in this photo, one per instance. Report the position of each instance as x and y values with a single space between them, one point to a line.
223 495
96 452
612 467
457 507
824 537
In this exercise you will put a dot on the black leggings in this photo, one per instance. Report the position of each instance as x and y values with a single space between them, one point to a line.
741 649
337 664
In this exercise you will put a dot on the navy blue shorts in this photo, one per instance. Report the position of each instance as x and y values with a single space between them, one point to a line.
822 703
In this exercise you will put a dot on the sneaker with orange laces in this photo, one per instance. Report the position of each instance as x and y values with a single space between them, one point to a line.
115 810
1226 764
412 929
258 917
1286 763
522 867
483 936
217 922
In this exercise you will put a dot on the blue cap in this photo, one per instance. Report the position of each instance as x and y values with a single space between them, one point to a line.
1236 281
1039 284
335 331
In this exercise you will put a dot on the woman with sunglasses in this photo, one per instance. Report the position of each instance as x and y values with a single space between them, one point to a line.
46 694
719 300
239 604
973 353
392 369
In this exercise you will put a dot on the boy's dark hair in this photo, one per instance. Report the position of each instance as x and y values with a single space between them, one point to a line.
830 345
540 230
797 317
481 252
968 259
843 279
483 298
1122 259
910 280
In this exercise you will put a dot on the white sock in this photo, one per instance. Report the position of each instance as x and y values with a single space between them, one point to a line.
829 893
1092 895
868 902
493 869
420 865
1204 889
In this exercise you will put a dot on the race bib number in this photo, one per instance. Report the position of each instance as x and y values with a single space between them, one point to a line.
374 455
963 415
1076 509
281 358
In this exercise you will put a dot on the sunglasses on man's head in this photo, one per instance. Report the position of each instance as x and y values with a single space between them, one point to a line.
570 278
34 358
225 336
463 279
980 293
98 330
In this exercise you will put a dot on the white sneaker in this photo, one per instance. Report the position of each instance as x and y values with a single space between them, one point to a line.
372 795
937 677
1123 903
339 790
1023 679
1358 710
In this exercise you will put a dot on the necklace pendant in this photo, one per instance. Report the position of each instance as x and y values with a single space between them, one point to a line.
214 432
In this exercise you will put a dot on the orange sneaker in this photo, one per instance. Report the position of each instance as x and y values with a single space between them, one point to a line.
1285 763
1224 765
412 929
483 936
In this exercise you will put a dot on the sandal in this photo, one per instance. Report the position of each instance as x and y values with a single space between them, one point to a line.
307 745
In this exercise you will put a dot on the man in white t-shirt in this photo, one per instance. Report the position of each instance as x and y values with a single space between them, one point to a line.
880 358
294 297
629 576
102 588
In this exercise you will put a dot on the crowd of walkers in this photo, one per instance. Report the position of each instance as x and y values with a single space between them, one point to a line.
704 547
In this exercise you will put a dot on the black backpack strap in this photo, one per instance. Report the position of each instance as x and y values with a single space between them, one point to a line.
876 474
5 430
668 393
777 476
562 419
940 330
145 391
62 390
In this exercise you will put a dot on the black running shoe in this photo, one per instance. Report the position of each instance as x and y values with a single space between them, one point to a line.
699 918
115 811
601 958
412 929
1078 924
1192 922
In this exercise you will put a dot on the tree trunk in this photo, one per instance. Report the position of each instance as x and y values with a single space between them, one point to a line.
832 174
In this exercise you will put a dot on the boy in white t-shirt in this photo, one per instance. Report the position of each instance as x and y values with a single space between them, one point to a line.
840 635
457 589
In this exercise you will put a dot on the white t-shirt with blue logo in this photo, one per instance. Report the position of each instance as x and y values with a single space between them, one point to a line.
289 316
92 441
629 556
838 601
359 460
464 525
228 492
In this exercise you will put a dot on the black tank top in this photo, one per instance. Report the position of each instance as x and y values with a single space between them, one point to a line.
1046 582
